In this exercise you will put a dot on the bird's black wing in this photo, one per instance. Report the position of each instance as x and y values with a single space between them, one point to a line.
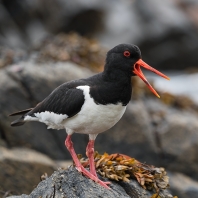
65 99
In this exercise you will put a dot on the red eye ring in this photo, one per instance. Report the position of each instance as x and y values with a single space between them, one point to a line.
127 53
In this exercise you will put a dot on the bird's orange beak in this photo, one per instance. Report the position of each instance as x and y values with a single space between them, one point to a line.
139 73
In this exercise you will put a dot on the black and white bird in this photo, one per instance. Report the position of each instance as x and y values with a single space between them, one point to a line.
92 105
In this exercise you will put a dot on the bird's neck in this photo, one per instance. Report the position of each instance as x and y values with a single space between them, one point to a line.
114 87
116 76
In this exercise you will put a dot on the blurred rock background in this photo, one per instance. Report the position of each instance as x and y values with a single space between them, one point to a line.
45 43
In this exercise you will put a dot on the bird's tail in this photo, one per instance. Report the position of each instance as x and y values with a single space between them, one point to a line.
20 121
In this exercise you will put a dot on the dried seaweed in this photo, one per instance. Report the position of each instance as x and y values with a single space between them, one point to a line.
121 167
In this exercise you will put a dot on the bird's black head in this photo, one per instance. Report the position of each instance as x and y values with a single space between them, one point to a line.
125 60
123 57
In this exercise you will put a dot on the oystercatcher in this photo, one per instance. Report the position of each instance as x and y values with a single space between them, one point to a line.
92 105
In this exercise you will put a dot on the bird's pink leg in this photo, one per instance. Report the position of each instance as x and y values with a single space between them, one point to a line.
90 155
79 167
69 145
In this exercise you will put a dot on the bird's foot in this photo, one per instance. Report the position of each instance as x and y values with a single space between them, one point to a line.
93 177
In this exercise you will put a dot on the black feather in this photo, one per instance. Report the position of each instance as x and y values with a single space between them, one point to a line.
18 122
65 99
21 112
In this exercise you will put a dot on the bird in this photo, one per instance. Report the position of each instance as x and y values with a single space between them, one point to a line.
91 105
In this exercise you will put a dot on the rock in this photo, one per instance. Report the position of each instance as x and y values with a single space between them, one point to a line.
12 34
133 189
70 183
177 137
21 169
183 186
32 75
9 89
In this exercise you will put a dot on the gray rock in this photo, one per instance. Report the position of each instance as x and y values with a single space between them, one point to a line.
133 189
39 80
70 183
177 137
21 169
183 186
19 196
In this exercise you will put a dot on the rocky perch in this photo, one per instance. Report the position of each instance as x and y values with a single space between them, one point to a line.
72 184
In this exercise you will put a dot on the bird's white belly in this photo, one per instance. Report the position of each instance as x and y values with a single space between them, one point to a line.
93 118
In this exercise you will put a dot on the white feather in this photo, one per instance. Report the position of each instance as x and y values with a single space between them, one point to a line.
52 120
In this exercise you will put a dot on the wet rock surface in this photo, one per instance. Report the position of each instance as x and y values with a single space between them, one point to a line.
70 183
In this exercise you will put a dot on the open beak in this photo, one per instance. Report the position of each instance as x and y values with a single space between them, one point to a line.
139 73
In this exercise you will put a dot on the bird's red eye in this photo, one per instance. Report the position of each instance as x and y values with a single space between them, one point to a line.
126 53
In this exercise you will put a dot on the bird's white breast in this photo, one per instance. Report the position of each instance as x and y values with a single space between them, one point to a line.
94 118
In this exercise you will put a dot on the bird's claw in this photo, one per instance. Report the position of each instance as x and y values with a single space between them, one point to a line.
104 184
93 177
